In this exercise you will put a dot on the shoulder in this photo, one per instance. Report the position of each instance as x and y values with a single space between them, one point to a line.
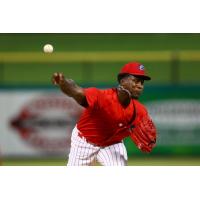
141 109
104 93
109 91
96 97
91 89
94 90
108 94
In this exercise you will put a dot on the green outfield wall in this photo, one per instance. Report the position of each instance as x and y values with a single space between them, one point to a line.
97 58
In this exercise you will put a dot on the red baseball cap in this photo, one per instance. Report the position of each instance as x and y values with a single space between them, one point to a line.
135 69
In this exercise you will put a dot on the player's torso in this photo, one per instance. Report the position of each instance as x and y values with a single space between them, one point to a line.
106 121
114 113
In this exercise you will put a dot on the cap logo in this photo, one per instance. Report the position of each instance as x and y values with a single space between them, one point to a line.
141 67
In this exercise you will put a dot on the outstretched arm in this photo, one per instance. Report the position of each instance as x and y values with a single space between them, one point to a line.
70 88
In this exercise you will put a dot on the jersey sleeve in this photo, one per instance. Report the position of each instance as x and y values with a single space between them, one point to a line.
92 96
141 111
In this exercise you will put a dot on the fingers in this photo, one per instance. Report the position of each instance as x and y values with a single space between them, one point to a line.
57 78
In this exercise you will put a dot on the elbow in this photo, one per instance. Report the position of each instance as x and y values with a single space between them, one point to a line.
80 98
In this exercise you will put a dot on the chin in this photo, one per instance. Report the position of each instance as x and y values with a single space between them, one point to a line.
135 97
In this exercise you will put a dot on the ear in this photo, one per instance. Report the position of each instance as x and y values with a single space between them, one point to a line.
123 81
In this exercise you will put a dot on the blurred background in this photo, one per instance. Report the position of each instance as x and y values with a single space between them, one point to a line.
37 119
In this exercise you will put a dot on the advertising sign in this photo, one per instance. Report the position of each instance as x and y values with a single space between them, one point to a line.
35 123
176 113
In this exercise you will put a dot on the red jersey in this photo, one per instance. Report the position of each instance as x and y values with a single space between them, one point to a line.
105 121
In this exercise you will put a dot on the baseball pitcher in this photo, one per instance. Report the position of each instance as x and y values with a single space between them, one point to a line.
109 116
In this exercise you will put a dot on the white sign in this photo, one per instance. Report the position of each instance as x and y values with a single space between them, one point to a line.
36 123
177 121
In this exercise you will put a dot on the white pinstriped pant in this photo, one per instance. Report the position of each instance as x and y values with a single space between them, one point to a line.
83 153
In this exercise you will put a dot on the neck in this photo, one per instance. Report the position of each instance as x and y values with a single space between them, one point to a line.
124 96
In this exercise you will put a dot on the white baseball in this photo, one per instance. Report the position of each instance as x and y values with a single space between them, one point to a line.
48 48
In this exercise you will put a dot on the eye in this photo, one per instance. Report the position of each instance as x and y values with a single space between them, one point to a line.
138 80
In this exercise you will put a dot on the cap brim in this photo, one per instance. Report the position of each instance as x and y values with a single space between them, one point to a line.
144 77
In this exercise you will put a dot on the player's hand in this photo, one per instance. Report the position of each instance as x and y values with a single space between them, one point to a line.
58 78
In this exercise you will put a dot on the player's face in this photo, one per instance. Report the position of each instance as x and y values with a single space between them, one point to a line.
135 85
